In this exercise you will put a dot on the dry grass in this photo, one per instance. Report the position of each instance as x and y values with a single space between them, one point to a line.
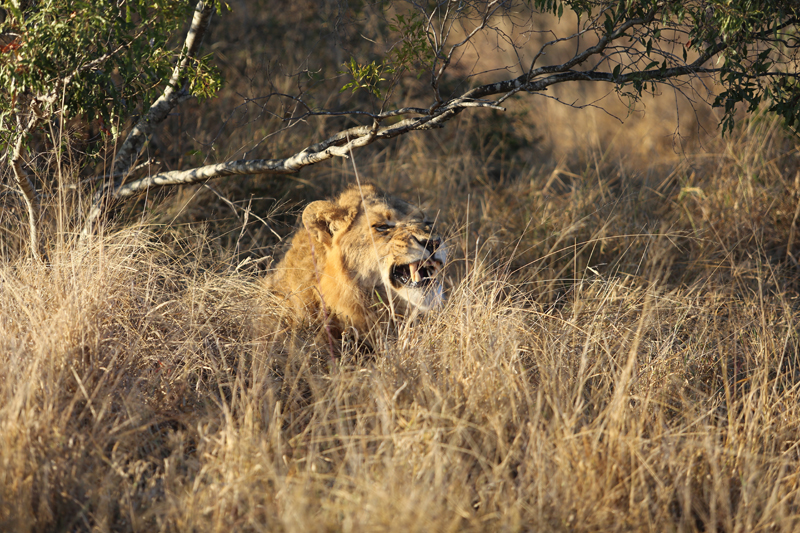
619 350
626 360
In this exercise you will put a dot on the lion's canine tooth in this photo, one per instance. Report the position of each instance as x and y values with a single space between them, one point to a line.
414 268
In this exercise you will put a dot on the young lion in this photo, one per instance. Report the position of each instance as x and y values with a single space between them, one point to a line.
358 256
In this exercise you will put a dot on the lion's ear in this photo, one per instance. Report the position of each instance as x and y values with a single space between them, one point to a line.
323 219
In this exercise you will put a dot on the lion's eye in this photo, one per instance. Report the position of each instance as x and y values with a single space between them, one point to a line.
382 227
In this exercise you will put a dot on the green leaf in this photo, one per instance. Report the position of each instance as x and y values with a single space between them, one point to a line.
608 24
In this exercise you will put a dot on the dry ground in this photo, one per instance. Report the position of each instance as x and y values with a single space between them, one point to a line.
619 350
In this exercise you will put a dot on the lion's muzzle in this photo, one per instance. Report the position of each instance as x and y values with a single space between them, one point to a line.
422 273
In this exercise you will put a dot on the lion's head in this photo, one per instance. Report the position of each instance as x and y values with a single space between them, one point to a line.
363 244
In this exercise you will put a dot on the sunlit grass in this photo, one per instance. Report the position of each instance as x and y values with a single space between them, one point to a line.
620 355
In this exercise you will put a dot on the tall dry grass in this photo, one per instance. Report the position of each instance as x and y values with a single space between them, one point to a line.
619 349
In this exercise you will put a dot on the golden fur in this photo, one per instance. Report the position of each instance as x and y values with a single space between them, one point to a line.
359 256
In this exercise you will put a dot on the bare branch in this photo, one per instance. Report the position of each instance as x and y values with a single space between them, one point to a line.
173 94
24 183
491 9
337 146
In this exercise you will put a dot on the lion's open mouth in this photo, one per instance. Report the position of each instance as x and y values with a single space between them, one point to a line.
416 275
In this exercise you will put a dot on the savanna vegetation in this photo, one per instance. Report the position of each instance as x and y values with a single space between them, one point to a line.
618 351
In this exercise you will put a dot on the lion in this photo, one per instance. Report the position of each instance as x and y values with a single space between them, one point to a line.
359 257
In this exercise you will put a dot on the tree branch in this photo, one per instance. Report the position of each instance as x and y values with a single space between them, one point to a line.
174 93
341 143
24 183
336 146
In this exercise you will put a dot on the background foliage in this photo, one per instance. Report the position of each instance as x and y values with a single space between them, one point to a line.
100 61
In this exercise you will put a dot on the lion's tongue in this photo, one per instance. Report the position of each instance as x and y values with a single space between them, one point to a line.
415 275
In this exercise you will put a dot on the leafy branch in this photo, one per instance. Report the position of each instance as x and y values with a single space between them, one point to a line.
412 52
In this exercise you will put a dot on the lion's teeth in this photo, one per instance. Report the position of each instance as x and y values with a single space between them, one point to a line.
415 276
